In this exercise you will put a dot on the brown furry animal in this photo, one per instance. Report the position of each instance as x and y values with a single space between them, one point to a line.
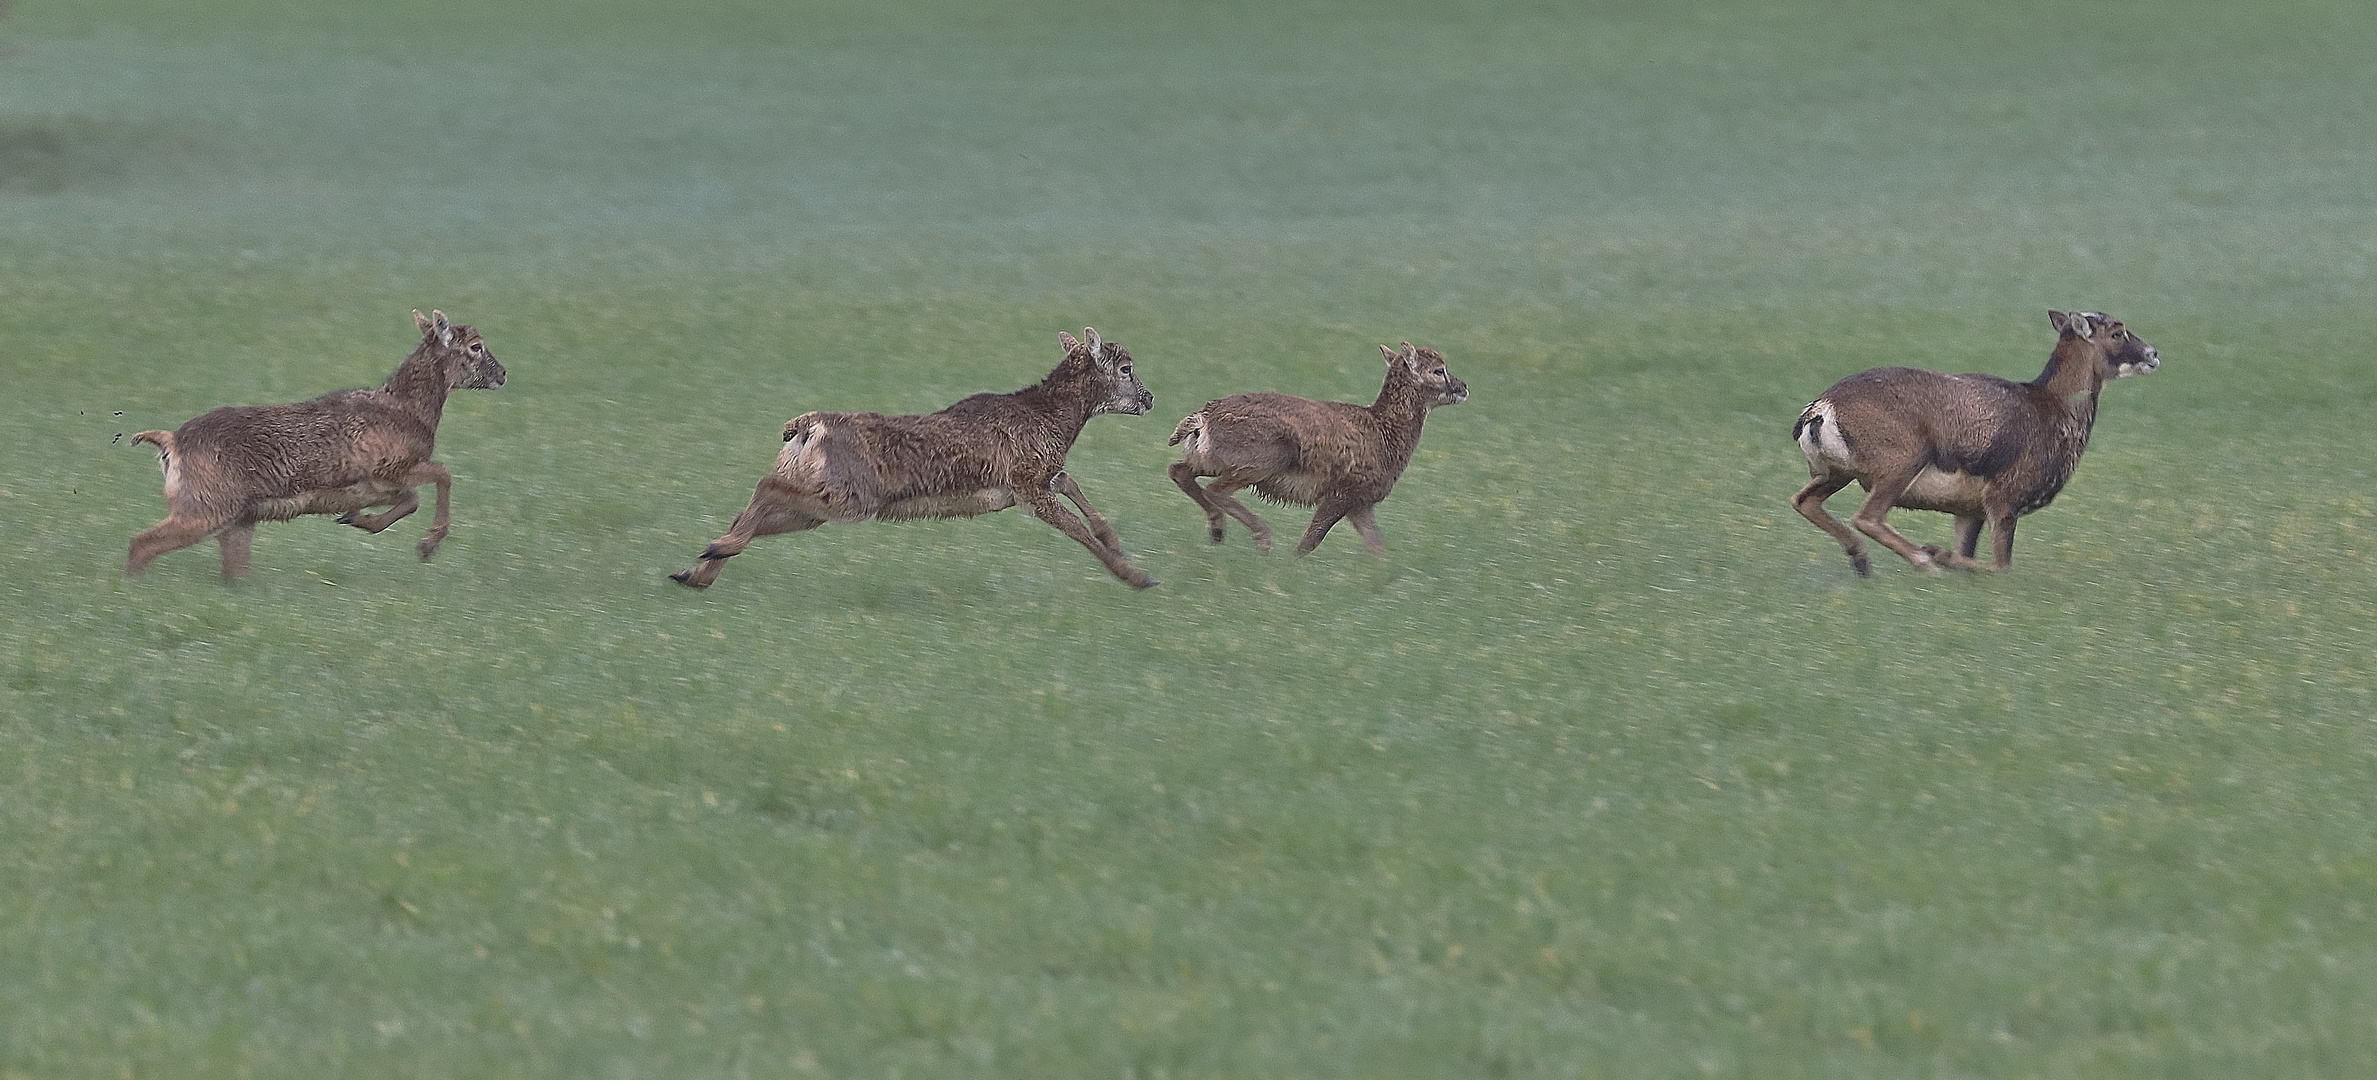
981 455
1337 457
340 453
1985 449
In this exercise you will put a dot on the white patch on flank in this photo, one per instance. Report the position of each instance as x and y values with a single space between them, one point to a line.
1956 489
1204 443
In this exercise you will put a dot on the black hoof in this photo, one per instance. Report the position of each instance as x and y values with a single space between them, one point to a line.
1865 566
348 518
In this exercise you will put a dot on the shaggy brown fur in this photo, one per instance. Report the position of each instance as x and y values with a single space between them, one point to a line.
983 454
1985 449
340 453
1337 457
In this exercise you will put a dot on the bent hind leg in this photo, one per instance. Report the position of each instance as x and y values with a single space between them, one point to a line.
1219 498
1810 504
1184 476
1224 493
1870 520
172 534
1968 540
399 504
777 507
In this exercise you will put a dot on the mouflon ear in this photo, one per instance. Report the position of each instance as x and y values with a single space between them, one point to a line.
1097 347
422 322
2076 324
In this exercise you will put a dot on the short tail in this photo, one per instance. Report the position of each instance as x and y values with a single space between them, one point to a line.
1809 417
163 440
1189 425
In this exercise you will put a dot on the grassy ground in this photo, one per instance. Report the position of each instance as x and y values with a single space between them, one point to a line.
1615 770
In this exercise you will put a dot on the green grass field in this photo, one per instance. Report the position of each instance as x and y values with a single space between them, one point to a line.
1614 770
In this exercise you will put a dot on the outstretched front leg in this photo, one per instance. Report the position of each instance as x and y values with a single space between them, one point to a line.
430 472
1044 506
2001 532
1367 525
1332 509
777 507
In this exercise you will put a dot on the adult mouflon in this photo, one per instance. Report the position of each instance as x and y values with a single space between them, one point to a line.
1984 449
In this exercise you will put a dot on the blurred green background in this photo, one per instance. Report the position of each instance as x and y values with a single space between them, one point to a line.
1614 770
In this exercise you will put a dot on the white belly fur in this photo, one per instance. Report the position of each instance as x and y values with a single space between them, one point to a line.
969 504
1949 491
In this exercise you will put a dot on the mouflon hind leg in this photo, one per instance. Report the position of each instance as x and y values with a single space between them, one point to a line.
1810 504
777 507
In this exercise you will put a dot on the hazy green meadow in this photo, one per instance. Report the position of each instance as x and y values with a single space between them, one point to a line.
1614 770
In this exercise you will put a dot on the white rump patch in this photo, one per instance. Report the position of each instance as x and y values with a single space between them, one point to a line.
1820 439
799 449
